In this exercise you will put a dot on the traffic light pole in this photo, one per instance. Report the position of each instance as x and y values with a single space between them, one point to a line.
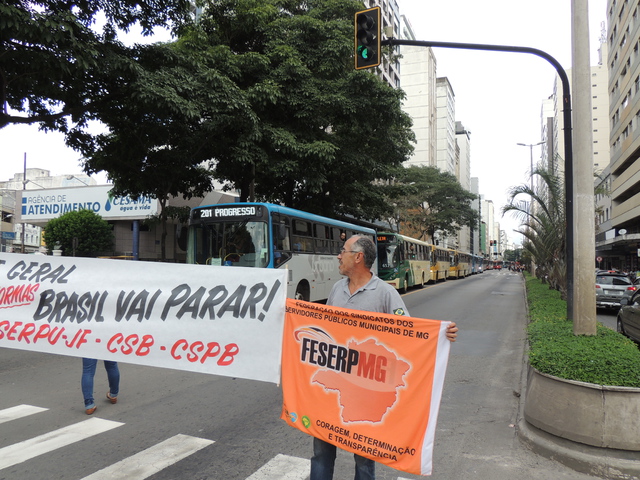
568 145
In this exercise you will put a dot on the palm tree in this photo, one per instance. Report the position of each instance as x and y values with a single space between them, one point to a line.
543 226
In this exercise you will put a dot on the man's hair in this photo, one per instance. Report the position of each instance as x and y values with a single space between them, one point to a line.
366 246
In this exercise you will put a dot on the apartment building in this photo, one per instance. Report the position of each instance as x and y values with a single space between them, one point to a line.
621 242
463 142
418 66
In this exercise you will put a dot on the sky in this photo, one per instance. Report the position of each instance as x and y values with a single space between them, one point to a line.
498 95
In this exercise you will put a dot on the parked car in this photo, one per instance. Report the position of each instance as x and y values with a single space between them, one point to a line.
611 287
628 322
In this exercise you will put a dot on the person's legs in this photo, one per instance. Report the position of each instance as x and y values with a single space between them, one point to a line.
113 374
365 468
323 460
88 372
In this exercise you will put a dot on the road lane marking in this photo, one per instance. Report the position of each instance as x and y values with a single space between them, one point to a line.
19 411
150 461
283 467
22 451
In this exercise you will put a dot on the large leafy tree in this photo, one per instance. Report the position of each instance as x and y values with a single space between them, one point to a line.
263 90
56 64
427 200
325 132
180 113
80 233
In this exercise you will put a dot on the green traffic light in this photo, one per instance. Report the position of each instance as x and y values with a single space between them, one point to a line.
364 52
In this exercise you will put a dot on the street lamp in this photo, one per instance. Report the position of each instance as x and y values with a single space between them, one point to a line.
71 177
531 145
31 181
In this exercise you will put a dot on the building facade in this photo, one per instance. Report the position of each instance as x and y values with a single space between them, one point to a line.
29 202
418 80
617 242
446 159
463 141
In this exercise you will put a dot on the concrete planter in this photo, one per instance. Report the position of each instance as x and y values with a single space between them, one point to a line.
601 416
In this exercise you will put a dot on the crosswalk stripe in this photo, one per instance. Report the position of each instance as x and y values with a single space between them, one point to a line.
139 466
283 467
22 451
19 411
152 460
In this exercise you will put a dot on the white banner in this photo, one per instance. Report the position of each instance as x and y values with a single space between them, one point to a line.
220 320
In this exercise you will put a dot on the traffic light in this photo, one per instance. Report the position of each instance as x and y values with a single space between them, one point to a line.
367 38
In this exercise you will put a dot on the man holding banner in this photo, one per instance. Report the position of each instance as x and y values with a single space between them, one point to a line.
361 291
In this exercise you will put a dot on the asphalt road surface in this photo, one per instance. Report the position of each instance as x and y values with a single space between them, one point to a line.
171 425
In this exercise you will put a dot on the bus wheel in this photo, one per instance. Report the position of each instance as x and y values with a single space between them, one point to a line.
422 281
303 292
405 287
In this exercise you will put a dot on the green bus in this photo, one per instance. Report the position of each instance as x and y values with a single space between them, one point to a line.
403 261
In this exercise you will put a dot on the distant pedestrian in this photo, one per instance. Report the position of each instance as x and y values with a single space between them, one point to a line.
88 372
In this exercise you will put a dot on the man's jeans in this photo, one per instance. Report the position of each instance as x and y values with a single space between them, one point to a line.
324 458
89 371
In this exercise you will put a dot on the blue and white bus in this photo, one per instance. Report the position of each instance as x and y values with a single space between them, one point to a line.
263 235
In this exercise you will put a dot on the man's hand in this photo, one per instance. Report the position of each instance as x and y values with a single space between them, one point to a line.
452 332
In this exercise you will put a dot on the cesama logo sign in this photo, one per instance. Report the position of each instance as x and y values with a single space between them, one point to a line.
51 203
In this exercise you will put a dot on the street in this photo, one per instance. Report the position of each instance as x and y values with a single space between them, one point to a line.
607 317
171 424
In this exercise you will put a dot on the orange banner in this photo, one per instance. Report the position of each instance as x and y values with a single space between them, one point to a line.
367 382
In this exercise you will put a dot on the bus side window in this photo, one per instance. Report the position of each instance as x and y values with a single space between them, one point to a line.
336 242
302 237
321 235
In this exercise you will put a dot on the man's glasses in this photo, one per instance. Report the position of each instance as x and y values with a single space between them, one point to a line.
343 251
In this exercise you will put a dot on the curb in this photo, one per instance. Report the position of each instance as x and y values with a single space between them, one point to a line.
601 462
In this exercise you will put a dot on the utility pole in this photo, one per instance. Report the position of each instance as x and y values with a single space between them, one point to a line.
584 299
24 187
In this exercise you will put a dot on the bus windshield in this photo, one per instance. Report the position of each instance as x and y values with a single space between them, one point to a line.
239 243
387 255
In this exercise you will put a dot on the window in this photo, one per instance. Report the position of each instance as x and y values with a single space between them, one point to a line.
301 238
321 238
336 242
